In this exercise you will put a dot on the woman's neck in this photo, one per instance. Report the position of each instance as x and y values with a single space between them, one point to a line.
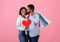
23 16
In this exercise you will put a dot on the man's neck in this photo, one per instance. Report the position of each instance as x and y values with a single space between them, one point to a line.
31 13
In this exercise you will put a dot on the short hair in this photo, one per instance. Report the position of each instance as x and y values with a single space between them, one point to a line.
31 6
21 9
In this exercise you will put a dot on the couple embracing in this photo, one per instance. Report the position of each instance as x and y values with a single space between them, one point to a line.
29 33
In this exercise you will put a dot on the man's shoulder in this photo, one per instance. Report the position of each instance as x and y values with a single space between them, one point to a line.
36 14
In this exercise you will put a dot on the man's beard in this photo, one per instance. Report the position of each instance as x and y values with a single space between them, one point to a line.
28 12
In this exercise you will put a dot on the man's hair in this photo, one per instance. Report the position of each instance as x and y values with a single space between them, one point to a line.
31 6
21 9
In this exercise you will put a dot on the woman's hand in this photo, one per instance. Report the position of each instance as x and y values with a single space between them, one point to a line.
26 28
18 30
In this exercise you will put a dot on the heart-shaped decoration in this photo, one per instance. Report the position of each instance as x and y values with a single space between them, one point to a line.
26 23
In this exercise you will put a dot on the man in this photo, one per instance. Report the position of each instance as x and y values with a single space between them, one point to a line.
34 30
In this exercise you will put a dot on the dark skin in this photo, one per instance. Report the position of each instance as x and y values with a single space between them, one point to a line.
30 11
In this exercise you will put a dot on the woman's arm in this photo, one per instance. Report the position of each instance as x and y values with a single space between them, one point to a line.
19 25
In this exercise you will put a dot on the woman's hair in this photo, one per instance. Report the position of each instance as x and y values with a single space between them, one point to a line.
21 9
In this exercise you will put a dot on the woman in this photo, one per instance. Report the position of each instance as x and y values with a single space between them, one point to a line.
21 28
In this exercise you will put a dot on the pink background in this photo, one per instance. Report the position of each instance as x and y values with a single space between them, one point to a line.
9 12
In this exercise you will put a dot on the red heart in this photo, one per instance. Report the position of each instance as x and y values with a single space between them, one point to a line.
26 23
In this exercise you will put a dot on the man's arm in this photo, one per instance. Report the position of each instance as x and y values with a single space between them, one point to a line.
36 18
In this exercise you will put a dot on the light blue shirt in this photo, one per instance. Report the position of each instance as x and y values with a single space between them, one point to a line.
34 28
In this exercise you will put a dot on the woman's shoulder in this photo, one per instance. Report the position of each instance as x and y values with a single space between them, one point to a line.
19 17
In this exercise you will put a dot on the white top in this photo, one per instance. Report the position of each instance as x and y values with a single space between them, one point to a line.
19 24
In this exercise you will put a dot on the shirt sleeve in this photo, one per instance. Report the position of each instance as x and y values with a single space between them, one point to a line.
19 25
36 18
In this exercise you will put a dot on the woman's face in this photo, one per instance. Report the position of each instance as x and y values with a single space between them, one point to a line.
23 12
28 10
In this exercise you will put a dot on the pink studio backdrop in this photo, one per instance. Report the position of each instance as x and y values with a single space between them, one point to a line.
9 12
